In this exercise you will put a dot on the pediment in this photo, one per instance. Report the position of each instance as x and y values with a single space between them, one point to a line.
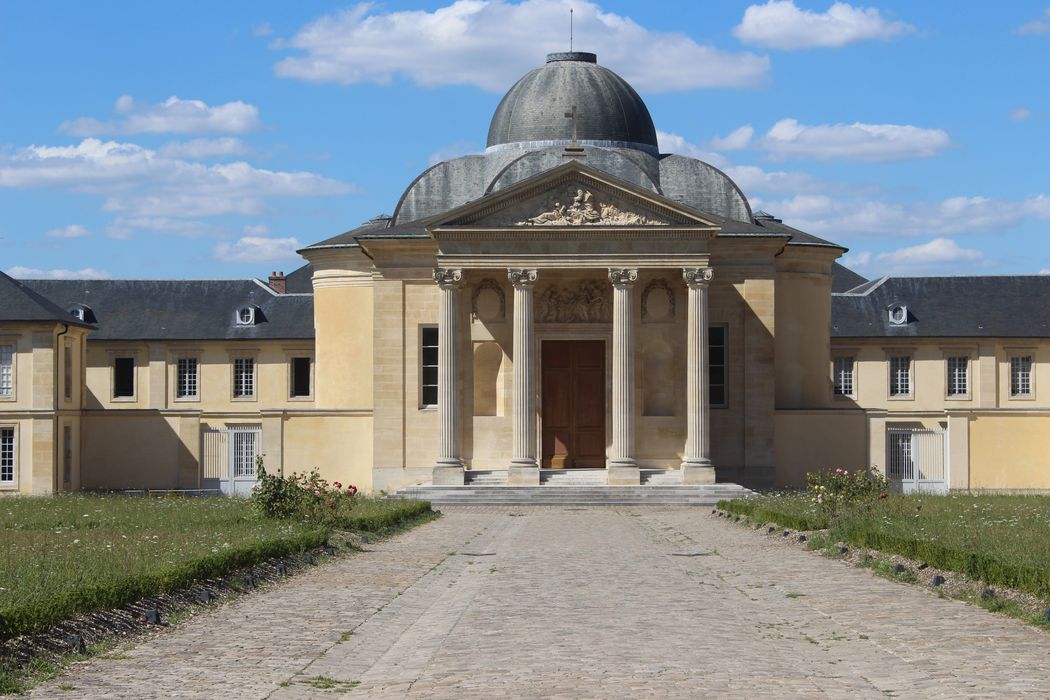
571 196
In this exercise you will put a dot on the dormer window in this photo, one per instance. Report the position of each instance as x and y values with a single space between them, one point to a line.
898 315
82 312
246 316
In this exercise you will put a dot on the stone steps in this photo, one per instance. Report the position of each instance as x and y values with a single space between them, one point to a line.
707 494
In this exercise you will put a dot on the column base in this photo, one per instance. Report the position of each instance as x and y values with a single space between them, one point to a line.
698 472
448 475
623 475
524 474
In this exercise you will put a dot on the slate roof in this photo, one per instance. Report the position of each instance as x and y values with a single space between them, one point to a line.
299 281
844 279
18 302
946 307
182 309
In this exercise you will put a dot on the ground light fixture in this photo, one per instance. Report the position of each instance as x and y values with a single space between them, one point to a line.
987 594
205 596
76 644
152 616
937 581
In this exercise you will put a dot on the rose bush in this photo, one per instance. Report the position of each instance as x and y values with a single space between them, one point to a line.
835 490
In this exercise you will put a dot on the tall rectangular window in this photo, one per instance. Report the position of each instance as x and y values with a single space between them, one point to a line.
716 365
843 376
123 377
67 374
187 381
301 377
958 376
1021 376
67 454
7 455
7 371
243 378
900 376
428 361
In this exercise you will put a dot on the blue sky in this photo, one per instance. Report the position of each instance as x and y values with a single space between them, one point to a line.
204 140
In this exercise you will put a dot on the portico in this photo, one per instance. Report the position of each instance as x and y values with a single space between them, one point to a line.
586 265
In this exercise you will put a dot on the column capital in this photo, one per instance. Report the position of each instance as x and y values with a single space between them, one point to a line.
623 276
697 276
448 277
521 277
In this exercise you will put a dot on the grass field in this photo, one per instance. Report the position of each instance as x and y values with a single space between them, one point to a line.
1003 540
66 555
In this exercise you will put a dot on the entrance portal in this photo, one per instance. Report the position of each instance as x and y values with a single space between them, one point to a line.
573 411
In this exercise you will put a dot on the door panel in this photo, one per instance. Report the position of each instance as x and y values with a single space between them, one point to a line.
573 408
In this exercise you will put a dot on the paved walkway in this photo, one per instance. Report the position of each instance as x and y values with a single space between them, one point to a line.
564 602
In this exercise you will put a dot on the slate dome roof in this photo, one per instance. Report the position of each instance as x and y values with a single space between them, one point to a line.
609 112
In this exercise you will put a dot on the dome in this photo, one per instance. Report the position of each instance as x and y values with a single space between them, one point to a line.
608 111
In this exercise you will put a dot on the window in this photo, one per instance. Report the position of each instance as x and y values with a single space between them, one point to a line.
300 377
7 456
900 376
67 455
843 376
186 378
1021 376
246 316
898 315
7 371
244 378
428 358
123 377
958 376
67 376
716 365
245 451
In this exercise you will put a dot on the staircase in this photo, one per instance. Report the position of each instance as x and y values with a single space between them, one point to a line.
574 487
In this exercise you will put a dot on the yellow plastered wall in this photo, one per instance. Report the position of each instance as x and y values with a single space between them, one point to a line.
343 319
340 447
1010 451
814 440
140 450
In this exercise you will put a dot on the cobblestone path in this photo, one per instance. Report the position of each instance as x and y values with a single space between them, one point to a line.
569 602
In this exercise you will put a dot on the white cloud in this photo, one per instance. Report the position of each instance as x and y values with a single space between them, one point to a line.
173 116
452 151
28 273
737 139
938 255
1019 114
263 29
839 219
674 143
790 139
71 231
123 228
780 24
140 182
258 249
491 44
196 149
1038 26
1038 206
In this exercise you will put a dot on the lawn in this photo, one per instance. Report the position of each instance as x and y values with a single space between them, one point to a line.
1003 540
65 555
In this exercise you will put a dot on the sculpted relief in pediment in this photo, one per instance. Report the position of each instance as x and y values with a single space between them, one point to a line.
579 207
573 206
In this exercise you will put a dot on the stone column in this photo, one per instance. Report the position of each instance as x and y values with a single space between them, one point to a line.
697 467
623 469
448 470
524 469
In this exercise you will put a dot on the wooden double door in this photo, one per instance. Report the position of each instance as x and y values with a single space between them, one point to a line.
573 410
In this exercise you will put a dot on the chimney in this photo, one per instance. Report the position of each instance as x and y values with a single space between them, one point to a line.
277 282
